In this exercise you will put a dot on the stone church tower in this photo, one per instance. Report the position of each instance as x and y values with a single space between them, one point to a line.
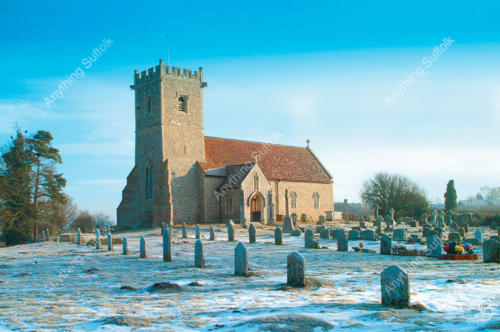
166 181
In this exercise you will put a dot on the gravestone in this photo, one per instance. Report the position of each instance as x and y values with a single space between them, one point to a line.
295 268
461 231
212 233
184 231
342 243
395 287
287 225
454 237
362 224
142 248
124 244
47 234
325 234
452 245
491 251
399 234
320 228
230 232
162 227
453 227
278 238
97 239
78 237
199 260
353 235
434 247
110 242
385 245
240 260
426 230
368 235
321 219
478 235
309 239
296 232
197 231
294 220
167 245
251 233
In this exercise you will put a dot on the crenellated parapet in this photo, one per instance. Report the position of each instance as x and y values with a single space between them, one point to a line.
163 71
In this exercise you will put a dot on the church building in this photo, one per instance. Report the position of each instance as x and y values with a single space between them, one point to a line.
181 175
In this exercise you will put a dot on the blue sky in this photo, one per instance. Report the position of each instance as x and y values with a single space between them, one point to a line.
318 69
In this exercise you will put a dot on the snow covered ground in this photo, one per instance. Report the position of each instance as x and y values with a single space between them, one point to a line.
63 286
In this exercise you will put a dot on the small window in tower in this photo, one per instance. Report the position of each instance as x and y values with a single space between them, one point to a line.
229 204
149 104
149 182
182 101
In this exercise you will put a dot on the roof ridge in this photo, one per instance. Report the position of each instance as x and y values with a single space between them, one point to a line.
247 141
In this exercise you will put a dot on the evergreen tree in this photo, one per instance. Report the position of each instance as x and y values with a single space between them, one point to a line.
450 196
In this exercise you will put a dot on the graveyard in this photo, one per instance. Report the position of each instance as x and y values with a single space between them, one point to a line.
229 277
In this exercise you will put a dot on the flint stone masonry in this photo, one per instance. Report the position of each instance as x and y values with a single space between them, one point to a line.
142 248
354 235
124 244
399 234
110 242
342 243
491 251
434 247
296 270
212 233
385 245
251 233
199 260
309 239
278 237
395 287
167 245
240 260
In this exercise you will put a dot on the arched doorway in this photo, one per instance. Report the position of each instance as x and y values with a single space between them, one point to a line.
255 208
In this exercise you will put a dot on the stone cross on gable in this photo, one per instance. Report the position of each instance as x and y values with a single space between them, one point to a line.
307 142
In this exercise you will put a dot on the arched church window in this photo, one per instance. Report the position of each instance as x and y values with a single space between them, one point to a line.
293 198
256 182
316 200
149 182
182 103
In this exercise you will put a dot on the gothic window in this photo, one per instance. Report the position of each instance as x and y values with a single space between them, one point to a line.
149 104
182 103
293 197
256 182
149 182
229 204
316 200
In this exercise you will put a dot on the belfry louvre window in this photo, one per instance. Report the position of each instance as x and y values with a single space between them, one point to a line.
182 103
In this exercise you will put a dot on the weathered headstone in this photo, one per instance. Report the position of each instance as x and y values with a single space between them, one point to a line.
321 220
452 245
110 242
199 260
79 237
251 233
278 237
97 239
385 245
142 248
491 251
399 234
368 235
320 228
325 234
230 232
287 225
212 233
453 227
240 260
294 220
124 244
342 243
47 234
184 231
309 239
296 232
197 231
453 236
296 270
478 235
434 247
395 286
167 245
353 235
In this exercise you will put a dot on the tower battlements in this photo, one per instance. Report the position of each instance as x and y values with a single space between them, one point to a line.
162 70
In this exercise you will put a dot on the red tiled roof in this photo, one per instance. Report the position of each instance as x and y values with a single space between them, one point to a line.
278 162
